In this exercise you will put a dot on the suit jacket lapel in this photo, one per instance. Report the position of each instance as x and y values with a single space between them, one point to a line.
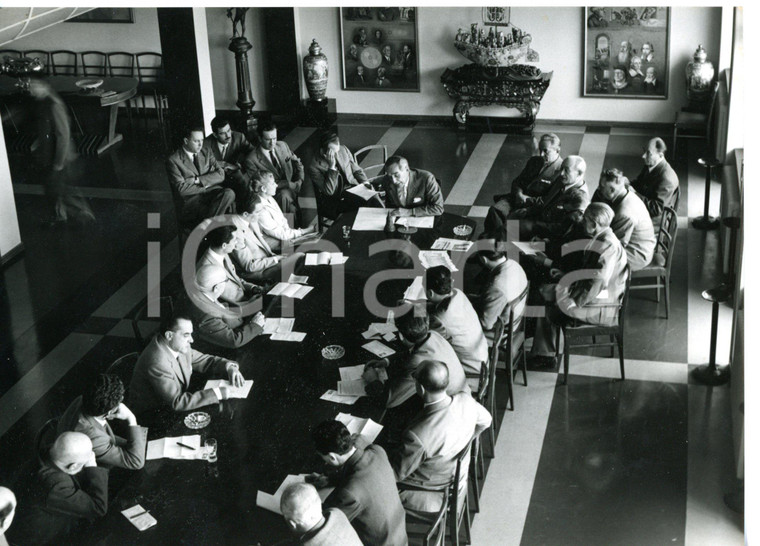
412 187
258 238
175 364
189 162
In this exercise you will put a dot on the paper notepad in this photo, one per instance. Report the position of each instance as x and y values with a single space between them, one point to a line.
298 279
139 517
167 448
443 243
431 258
529 249
379 349
416 291
272 502
415 221
362 191
289 336
358 425
351 373
232 391
370 219
377 330
278 325
354 387
326 258
334 396
288 290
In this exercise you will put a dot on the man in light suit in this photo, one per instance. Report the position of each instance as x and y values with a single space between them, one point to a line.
505 282
453 316
163 371
365 486
276 157
230 149
435 437
197 179
411 192
657 183
89 414
301 507
222 242
255 259
333 171
219 323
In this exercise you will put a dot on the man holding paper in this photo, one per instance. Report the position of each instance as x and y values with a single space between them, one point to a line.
411 192
365 486
163 371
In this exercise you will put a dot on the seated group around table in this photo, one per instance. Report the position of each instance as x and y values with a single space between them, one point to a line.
427 387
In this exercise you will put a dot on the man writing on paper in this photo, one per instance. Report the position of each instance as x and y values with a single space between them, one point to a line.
302 509
365 486
411 192
163 371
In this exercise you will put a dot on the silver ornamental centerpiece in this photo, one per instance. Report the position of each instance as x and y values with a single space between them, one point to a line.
315 72
699 77
22 69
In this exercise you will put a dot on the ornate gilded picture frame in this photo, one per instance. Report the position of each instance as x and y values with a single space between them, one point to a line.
626 52
379 49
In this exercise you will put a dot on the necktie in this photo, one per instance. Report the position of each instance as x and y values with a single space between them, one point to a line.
197 163
274 162
402 195
224 151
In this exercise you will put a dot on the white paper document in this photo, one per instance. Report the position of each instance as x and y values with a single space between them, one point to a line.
416 290
288 290
354 387
139 517
272 502
278 325
377 330
298 279
379 349
442 243
351 373
415 221
289 336
169 448
362 191
325 258
358 425
370 219
334 396
232 392
527 248
431 258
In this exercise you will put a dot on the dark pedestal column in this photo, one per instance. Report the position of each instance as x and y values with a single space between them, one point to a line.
240 46
284 94
316 113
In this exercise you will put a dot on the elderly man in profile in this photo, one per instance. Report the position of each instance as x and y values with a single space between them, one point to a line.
411 192
302 509
657 183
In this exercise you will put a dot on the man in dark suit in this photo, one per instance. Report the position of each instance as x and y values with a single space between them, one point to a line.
277 158
435 437
411 192
163 371
197 179
69 490
302 509
657 183
365 486
230 148
89 414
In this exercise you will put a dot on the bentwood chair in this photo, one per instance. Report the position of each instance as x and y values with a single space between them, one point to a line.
666 242
143 326
151 84
94 63
124 367
477 461
695 124
13 53
64 62
370 153
46 435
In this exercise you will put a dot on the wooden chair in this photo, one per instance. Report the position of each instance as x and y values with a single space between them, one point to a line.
666 242
46 436
493 358
124 368
697 124
616 332
151 83
64 62
13 53
142 336
43 56
373 170
477 462
94 63
120 64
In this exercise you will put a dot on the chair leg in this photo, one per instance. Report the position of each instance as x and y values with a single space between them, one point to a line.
476 492
612 346
622 358
454 527
667 297
510 384
567 361
524 368
675 140
467 530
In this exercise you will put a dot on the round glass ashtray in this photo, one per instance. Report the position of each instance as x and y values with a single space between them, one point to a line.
333 352
462 230
197 419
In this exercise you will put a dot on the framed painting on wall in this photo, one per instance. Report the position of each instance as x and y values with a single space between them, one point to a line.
379 49
626 52
105 15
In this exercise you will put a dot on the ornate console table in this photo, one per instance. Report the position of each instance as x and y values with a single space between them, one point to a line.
518 86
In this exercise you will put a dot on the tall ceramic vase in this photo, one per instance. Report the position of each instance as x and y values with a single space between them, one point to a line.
699 77
315 72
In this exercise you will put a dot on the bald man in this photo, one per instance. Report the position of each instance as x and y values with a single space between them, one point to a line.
7 511
435 437
302 509
657 183
410 192
70 489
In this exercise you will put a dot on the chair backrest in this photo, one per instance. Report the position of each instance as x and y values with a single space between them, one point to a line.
666 238
624 300
46 436
120 63
141 323
124 367
482 394
676 198
93 63
43 56
14 53
64 62
518 303
364 155
150 67
493 357
458 484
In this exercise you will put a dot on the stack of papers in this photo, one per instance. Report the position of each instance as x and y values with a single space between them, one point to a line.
416 291
168 448
443 243
326 258
379 330
370 219
299 279
278 325
431 258
140 517
335 396
290 290
232 391
378 349
354 387
357 425
362 191
415 221
528 248
354 373
289 336
272 502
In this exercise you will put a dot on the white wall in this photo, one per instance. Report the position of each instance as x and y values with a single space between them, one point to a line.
557 36
10 237
223 60
142 35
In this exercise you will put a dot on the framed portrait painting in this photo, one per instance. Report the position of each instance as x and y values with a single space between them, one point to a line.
379 49
626 52
105 15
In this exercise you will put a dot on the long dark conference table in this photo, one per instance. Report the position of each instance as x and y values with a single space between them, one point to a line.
266 436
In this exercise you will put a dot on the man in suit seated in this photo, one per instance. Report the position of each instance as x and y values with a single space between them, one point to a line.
69 490
657 183
410 192
435 437
255 259
302 509
590 298
422 345
333 171
277 158
505 281
163 371
365 486
197 179
230 149
222 241
218 323
533 181
453 316
103 400
632 224
7 512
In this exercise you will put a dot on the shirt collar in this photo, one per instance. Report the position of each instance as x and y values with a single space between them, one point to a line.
655 165
442 399
191 155
102 421
216 256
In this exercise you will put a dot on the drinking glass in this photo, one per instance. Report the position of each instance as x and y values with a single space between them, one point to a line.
210 445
